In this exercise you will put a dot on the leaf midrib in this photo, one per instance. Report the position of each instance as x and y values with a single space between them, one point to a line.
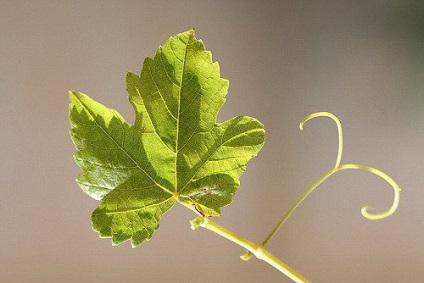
177 136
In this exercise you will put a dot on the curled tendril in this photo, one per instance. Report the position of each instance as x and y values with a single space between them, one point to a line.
339 130
374 171
388 179
337 167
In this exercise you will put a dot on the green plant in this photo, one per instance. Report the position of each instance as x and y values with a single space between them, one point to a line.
175 152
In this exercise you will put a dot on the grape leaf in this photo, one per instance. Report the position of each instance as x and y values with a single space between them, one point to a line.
174 152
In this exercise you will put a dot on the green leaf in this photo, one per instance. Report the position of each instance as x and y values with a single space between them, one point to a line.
175 151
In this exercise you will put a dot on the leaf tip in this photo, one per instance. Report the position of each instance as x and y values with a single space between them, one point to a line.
71 94
74 93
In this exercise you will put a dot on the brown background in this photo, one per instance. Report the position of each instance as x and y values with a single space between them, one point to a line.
362 60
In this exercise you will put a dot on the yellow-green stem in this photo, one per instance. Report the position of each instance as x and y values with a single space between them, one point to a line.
257 250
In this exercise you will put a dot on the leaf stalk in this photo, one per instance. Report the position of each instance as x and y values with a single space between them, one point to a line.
257 250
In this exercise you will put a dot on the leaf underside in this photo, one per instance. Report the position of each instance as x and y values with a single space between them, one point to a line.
174 151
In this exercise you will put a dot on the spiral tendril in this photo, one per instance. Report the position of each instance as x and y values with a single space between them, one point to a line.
337 167
339 130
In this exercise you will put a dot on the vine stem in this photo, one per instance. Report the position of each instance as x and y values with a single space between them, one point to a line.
258 250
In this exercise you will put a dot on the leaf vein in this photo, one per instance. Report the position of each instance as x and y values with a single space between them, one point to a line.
160 93
136 209
122 149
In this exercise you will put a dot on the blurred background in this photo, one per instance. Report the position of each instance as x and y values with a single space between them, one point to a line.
361 60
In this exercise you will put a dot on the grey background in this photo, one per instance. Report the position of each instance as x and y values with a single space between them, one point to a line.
362 60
